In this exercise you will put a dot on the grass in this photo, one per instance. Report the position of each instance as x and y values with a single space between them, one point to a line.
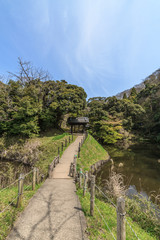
60 136
49 143
11 214
91 152
97 229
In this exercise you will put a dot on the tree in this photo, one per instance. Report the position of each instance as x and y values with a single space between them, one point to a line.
32 102
124 96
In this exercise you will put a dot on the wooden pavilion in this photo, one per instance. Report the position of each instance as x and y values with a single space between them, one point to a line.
78 124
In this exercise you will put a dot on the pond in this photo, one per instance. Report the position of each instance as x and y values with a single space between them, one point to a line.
139 164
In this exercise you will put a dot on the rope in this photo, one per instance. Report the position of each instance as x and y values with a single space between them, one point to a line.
8 185
104 221
131 228
103 218
27 173
27 186
114 207
119 213
8 205
106 196
1 190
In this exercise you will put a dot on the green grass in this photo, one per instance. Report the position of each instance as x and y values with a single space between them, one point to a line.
11 214
97 229
60 136
49 143
91 152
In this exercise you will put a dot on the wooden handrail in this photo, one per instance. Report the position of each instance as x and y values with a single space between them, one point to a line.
52 166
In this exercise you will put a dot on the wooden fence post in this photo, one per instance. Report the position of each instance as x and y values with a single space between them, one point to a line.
72 136
71 170
79 149
65 142
54 162
37 176
80 178
75 159
34 179
92 198
62 146
121 229
78 154
58 150
74 166
49 171
74 170
20 190
85 183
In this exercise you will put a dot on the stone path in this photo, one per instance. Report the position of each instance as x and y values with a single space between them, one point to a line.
54 212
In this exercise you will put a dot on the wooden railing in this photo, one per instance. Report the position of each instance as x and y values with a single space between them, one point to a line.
52 166
34 176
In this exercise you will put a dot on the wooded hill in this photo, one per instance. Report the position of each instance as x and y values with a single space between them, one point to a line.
31 102
138 111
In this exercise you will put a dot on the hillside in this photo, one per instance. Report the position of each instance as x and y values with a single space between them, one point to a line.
138 88
130 115
154 78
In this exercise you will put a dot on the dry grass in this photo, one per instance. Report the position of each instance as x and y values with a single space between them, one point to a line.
155 197
114 186
27 153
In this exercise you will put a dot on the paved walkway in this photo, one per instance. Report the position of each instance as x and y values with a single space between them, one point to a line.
62 169
54 212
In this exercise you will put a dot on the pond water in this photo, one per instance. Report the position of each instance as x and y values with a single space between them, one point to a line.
139 164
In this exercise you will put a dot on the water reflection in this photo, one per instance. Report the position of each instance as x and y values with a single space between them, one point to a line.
139 165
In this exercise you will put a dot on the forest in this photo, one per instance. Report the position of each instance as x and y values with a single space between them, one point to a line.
136 116
32 102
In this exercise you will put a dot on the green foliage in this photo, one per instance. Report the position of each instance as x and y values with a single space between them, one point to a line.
109 117
111 133
31 102
124 96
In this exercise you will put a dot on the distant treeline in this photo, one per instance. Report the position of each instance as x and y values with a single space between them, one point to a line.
31 101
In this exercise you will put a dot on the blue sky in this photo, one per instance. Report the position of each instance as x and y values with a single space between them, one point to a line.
105 46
